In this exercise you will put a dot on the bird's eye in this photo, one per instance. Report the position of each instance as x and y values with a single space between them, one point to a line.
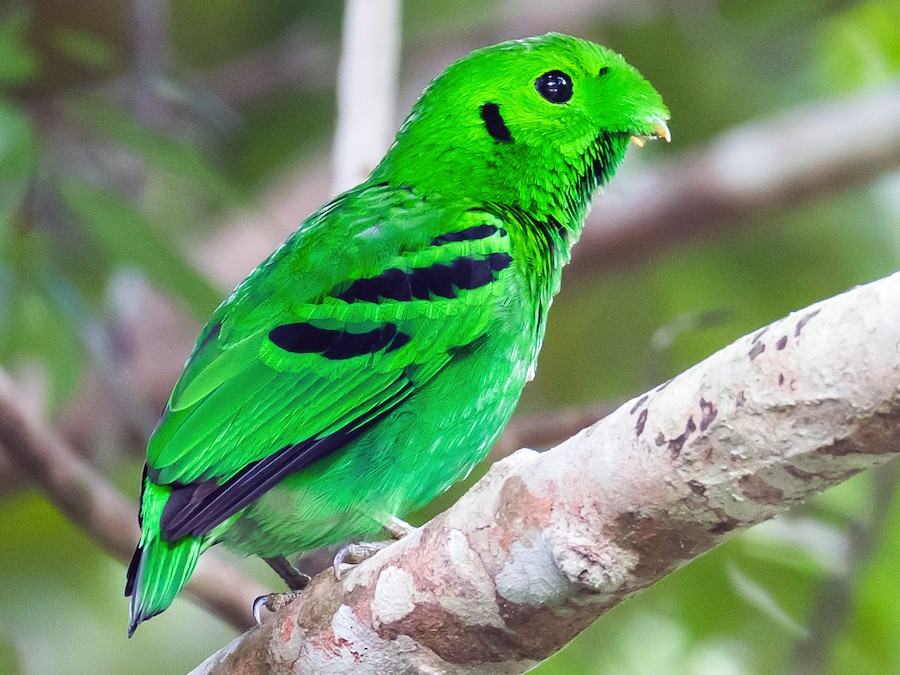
554 86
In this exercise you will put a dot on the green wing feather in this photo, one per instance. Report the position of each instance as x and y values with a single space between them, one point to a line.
242 398
250 407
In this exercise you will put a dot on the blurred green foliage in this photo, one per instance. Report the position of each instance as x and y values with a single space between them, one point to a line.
87 192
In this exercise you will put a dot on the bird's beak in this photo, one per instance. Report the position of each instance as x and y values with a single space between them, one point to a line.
660 130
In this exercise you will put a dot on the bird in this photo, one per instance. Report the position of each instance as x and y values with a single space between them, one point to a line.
376 355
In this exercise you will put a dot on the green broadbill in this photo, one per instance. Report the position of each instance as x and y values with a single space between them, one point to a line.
376 355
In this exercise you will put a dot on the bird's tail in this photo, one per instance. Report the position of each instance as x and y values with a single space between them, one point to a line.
159 569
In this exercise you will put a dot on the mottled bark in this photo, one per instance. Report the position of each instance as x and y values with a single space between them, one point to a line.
546 543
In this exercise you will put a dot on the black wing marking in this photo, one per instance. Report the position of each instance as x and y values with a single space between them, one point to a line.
196 508
441 280
304 338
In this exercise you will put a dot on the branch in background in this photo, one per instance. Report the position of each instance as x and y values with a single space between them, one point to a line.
151 48
302 58
366 89
521 18
104 515
10 478
769 165
297 59
546 543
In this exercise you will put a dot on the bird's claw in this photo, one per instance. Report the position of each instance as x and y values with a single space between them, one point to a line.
353 554
272 602
258 604
398 528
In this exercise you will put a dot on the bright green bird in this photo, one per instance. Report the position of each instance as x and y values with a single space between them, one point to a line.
373 358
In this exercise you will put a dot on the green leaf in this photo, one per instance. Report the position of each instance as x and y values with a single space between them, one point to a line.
155 148
85 49
18 153
129 238
18 63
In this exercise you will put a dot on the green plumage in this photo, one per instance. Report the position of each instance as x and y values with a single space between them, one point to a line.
374 358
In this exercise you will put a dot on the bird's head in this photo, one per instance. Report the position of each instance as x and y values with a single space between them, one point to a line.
537 124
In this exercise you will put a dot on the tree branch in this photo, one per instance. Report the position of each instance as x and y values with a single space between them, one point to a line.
546 543
367 89
104 515
301 56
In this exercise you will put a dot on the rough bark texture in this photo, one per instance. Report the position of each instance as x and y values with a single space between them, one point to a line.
546 543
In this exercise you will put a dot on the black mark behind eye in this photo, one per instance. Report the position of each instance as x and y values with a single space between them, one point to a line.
555 86
603 71
493 122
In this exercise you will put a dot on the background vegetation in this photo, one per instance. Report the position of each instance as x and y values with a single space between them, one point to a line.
151 153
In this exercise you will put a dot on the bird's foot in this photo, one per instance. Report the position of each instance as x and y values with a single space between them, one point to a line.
272 602
353 554
398 528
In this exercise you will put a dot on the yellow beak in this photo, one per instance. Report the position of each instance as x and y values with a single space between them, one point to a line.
660 130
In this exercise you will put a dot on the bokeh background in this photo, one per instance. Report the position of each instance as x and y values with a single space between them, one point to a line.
152 152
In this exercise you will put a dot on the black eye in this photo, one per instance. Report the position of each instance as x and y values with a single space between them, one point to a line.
554 86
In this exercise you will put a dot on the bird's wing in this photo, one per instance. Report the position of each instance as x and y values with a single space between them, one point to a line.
356 311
